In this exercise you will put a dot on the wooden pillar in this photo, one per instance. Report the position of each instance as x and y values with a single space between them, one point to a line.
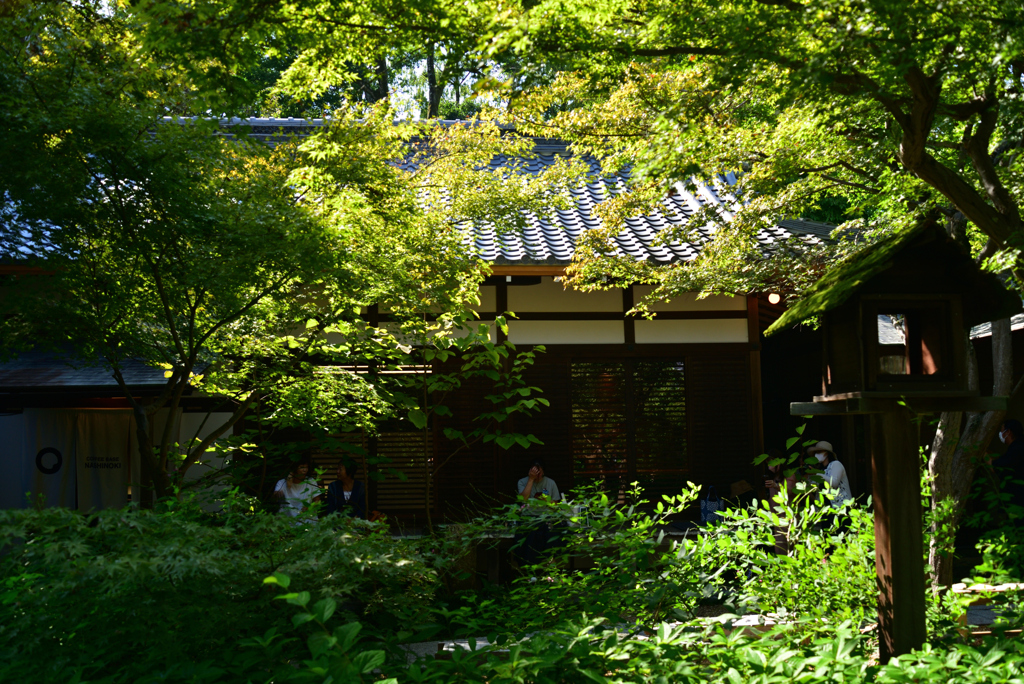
754 340
899 549
501 307
628 322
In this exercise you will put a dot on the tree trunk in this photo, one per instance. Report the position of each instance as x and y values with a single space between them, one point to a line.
434 89
376 85
959 447
152 473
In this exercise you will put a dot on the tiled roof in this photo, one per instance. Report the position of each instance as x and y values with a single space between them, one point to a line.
50 370
551 240
985 329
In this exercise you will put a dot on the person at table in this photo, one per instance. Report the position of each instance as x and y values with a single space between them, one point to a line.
535 536
536 485
347 495
297 491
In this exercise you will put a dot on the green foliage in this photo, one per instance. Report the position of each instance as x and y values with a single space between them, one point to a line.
182 596
123 594
467 109
1002 523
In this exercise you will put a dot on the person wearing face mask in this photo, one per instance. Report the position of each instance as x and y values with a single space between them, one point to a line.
1011 463
834 477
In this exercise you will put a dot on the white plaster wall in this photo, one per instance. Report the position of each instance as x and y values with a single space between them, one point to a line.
689 301
691 331
488 299
200 425
551 296
566 332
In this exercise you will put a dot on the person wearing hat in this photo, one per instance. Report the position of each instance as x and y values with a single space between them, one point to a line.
535 537
834 477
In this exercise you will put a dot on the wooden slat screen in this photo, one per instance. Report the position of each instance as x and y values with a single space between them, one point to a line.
408 453
660 421
718 397
599 428
345 445
659 409
467 480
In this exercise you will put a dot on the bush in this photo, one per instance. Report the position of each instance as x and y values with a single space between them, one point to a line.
186 596
122 593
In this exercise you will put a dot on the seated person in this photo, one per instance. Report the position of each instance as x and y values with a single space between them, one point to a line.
296 491
535 537
347 495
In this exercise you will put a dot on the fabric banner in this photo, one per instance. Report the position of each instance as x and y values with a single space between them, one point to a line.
49 452
103 443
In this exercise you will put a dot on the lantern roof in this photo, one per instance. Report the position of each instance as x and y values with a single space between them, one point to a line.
923 260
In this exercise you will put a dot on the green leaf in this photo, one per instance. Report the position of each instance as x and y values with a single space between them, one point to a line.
418 418
278 578
347 634
320 643
302 618
366 661
299 599
324 609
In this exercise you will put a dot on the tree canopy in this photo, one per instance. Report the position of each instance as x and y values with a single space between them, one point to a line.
237 266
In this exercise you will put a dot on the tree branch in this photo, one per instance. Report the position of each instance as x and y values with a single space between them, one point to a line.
977 149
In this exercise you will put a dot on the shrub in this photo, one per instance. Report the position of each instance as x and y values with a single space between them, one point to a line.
122 592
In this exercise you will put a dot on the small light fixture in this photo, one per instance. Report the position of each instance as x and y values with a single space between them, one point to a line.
508 279
774 298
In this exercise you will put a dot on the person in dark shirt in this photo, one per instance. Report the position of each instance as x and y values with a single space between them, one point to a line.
347 495
1011 463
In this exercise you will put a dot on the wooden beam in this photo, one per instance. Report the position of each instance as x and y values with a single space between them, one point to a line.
628 322
869 405
6 269
528 270
501 304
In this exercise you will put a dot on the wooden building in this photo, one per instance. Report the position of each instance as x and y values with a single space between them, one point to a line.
661 402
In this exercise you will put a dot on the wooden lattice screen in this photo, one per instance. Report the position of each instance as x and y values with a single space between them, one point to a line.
661 445
629 425
721 439
408 453
660 421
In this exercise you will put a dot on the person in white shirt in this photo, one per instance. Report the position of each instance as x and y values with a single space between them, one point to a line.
834 477
837 484
297 491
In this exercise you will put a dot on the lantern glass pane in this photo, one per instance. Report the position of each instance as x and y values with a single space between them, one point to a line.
893 358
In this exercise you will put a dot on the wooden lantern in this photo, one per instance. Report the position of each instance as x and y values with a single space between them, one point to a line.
894 320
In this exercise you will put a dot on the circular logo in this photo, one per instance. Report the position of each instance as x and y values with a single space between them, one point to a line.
55 463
